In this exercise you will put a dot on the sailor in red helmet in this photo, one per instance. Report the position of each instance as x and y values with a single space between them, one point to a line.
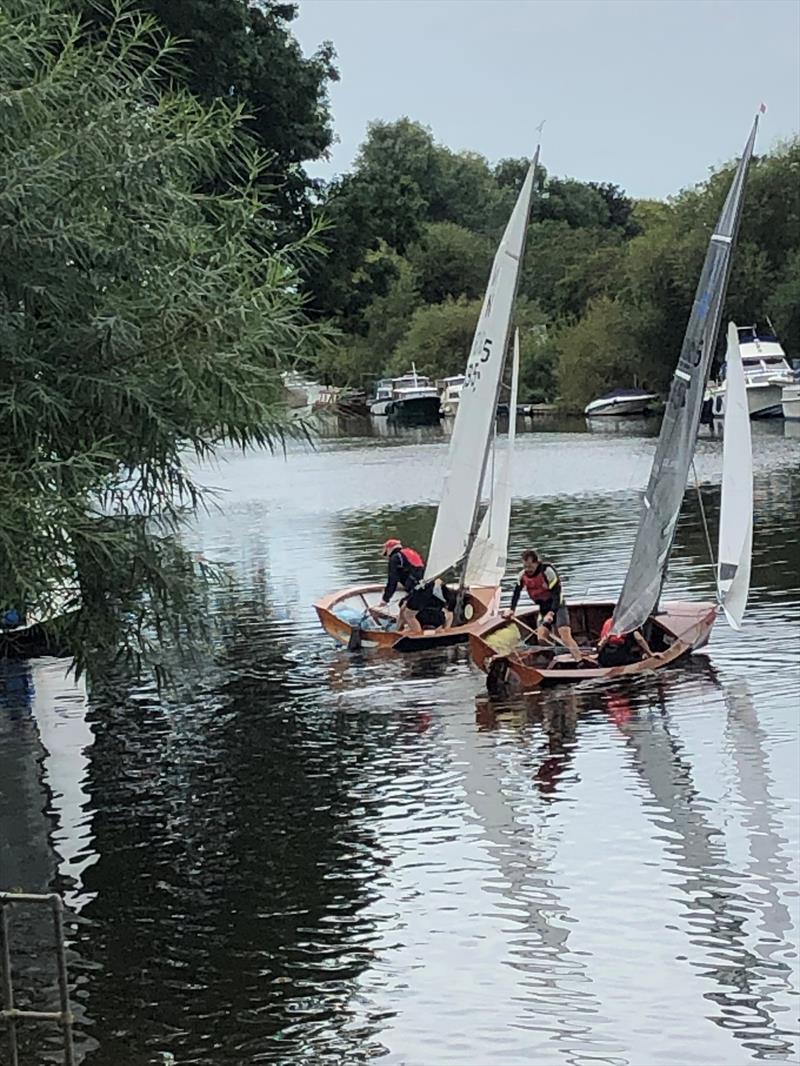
406 568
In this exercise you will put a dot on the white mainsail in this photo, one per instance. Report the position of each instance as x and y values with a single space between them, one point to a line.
487 560
736 511
474 423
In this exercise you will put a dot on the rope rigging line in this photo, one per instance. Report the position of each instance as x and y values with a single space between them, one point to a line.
705 522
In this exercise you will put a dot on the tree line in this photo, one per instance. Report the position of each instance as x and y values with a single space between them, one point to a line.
606 284
165 256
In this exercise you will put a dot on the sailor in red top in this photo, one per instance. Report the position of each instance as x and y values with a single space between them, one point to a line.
622 649
542 583
406 568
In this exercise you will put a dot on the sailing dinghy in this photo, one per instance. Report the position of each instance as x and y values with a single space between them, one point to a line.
464 541
509 651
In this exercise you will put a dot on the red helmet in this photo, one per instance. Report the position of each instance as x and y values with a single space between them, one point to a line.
389 546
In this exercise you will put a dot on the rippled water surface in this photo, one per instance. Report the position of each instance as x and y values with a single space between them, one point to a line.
309 856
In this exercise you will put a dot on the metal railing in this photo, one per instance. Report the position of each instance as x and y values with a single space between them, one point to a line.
10 1015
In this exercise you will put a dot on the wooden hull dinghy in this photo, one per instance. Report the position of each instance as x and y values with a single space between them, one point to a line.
509 653
346 617
469 540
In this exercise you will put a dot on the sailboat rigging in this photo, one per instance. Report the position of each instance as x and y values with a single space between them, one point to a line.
661 503
462 540
674 628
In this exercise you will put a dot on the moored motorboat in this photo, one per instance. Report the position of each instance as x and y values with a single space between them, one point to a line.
766 371
450 394
411 398
300 393
334 400
621 402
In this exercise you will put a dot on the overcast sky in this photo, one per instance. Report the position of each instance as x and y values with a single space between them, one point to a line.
649 94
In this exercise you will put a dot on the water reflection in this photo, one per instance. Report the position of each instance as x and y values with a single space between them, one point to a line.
719 905
45 843
307 856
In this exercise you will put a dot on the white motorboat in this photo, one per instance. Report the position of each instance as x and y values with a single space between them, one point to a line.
450 393
382 397
621 402
411 398
790 401
766 374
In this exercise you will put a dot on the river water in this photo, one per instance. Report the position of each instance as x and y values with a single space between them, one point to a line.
309 857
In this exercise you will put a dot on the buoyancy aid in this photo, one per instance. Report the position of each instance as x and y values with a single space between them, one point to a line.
413 558
536 584
615 640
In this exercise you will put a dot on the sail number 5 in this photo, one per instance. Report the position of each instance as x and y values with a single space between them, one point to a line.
473 374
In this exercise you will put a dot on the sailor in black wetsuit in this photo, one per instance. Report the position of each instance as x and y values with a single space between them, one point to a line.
624 648
406 568
431 606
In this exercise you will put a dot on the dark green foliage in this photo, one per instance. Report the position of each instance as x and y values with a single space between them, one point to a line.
441 213
244 53
140 320
596 263
450 260
635 330
438 338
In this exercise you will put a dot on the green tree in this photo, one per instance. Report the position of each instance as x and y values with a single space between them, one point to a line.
596 354
538 354
245 54
554 251
620 207
784 305
450 261
580 206
140 320
439 338
357 360
388 317
468 194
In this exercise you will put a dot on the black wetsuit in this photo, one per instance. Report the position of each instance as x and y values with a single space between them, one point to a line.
401 572
430 603
620 654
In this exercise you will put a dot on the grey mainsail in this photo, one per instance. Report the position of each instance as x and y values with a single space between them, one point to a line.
662 500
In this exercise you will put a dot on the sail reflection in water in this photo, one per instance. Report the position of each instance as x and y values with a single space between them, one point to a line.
309 857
